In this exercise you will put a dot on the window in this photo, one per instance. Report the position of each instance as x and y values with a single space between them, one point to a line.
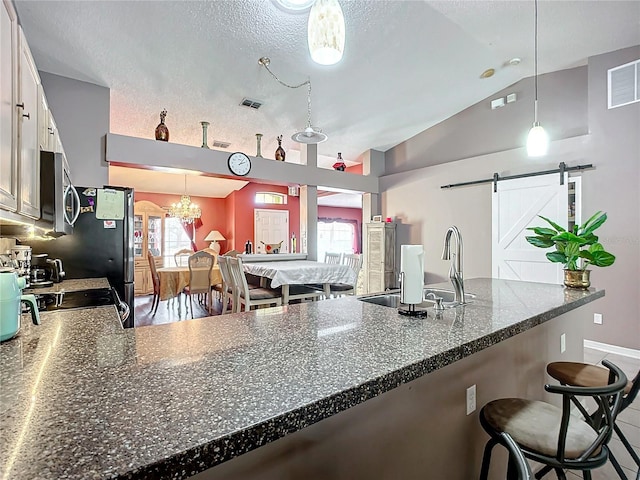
335 236
271 198
175 238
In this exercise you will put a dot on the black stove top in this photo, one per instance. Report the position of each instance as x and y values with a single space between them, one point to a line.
79 299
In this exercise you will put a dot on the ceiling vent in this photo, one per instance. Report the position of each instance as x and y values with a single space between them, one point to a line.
247 102
624 84
219 144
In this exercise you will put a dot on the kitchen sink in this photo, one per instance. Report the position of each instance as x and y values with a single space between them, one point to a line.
430 294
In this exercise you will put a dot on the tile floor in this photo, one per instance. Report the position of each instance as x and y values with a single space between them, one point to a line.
629 420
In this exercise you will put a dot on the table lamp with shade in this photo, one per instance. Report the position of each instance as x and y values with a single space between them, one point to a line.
213 237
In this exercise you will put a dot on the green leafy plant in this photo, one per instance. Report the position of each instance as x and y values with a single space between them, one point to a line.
570 247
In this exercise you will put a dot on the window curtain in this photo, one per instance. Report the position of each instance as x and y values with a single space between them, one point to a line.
357 233
190 230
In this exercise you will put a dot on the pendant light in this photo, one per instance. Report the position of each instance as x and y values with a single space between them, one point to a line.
538 140
326 32
310 134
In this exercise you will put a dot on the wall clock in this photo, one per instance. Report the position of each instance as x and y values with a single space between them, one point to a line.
239 163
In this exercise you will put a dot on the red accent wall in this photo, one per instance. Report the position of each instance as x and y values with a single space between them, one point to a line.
214 215
244 204
233 216
357 168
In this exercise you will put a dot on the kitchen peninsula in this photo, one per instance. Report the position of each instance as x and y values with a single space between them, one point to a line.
330 389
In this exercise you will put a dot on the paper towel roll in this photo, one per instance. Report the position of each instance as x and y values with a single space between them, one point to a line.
412 268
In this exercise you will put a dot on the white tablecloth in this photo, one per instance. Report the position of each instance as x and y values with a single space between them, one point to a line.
300 272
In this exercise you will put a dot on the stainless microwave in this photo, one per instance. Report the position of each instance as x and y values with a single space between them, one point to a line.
59 200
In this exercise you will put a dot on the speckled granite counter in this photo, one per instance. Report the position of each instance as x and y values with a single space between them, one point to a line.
81 398
72 285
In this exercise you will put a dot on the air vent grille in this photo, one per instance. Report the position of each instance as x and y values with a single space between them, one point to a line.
624 84
248 102
219 144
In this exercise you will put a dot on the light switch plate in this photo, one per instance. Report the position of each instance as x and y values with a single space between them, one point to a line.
471 399
597 318
563 343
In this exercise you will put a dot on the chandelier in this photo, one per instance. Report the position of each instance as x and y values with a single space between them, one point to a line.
184 210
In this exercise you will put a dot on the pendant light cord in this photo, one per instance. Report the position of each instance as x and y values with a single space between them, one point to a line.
535 61
265 61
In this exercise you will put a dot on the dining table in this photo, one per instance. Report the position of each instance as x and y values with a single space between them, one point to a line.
174 279
301 272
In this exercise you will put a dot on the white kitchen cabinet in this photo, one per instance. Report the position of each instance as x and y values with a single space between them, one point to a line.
8 110
380 256
29 164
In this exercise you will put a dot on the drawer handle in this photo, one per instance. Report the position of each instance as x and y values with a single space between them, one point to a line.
27 115
20 105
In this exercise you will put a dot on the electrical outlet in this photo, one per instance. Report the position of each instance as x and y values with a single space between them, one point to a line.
563 343
597 318
471 399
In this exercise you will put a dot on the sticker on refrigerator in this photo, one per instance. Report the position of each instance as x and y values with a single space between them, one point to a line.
109 224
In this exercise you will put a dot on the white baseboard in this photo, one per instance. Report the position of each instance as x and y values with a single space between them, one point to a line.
604 347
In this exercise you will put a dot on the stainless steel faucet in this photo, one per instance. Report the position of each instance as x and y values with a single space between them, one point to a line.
455 271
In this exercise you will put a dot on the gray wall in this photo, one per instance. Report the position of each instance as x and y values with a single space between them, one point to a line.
584 133
81 111
473 132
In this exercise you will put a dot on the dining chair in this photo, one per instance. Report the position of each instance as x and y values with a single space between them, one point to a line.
182 256
200 267
155 278
334 258
246 296
228 285
353 261
213 253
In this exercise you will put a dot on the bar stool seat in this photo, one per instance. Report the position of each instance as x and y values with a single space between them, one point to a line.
581 374
535 425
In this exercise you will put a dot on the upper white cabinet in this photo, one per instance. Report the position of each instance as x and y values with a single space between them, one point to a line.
29 177
8 109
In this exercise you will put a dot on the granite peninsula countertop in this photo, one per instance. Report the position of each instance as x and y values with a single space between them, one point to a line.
83 398
72 285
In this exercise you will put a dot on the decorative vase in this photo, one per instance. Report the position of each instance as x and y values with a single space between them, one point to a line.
258 140
204 134
280 153
577 279
162 132
339 165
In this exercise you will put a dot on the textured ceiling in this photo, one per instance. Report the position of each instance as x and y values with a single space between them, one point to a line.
407 64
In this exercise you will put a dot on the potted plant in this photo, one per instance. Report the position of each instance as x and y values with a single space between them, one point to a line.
576 250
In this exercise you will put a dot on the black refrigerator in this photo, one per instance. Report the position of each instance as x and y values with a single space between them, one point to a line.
98 247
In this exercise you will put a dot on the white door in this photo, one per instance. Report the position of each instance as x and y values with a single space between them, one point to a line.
516 206
271 226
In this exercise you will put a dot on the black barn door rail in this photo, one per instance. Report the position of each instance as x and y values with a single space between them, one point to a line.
562 168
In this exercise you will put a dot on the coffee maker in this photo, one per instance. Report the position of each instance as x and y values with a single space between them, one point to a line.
21 256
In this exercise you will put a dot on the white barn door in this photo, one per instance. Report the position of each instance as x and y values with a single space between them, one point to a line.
271 226
516 206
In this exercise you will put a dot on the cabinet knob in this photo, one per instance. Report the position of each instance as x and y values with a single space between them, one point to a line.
27 115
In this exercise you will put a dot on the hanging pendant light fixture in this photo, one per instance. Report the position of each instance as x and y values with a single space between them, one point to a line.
184 210
310 134
538 140
326 32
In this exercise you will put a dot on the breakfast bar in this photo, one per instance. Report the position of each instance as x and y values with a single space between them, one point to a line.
340 385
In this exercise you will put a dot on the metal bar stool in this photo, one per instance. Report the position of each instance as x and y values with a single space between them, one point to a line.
551 435
587 375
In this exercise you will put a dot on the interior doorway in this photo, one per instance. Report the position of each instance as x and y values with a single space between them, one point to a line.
270 226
